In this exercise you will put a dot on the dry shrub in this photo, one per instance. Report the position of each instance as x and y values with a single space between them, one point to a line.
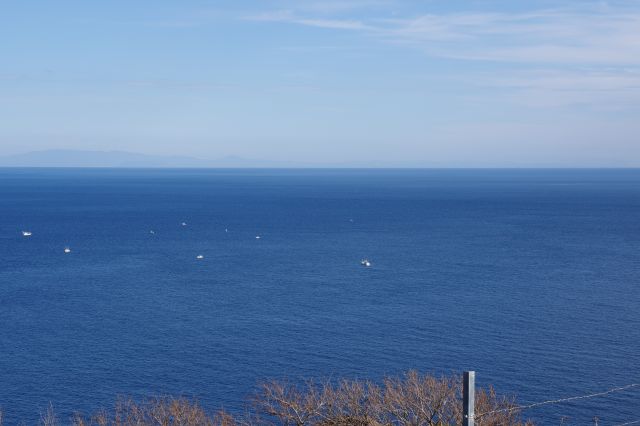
222 418
351 403
410 400
48 418
158 412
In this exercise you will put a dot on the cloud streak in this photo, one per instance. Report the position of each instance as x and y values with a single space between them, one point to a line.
547 37
582 55
288 16
589 35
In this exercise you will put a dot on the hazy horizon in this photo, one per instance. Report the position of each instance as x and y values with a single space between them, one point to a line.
64 158
378 83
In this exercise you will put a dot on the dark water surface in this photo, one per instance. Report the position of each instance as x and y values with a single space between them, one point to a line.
530 277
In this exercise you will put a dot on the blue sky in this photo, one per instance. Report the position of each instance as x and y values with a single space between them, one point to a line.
367 82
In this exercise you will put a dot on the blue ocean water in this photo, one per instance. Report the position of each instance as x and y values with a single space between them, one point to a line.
529 277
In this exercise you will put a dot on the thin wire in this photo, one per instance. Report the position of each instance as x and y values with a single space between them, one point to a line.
557 401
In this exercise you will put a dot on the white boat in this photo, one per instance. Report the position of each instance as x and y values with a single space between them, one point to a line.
67 250
199 257
184 224
152 232
258 237
365 263
26 233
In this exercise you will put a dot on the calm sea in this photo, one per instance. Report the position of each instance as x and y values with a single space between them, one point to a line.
529 277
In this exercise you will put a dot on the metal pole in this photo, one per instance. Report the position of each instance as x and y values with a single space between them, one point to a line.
468 398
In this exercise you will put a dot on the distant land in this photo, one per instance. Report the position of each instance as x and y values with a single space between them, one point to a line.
123 159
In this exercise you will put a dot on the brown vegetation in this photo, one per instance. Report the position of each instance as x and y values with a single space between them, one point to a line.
411 400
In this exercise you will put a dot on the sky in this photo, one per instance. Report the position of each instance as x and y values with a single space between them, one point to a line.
326 82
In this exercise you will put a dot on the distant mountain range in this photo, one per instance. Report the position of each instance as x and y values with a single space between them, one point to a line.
123 159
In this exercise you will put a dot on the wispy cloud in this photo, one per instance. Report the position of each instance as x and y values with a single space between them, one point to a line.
288 16
590 34
570 37
327 7
583 54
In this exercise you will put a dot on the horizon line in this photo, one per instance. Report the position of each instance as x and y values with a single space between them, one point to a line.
333 167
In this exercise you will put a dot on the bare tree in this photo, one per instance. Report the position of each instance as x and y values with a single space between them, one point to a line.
48 418
410 400
289 404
